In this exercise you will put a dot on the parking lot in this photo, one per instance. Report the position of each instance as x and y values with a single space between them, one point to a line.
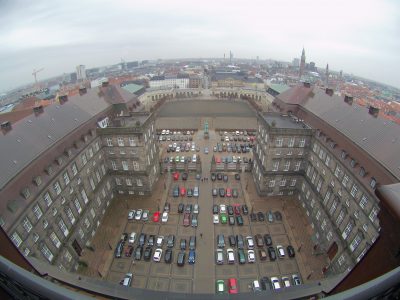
201 276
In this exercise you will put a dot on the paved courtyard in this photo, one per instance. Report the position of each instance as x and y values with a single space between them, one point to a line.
200 278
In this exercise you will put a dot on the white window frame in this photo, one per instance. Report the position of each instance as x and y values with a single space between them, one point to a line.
354 190
279 142
271 183
286 166
347 230
16 239
293 182
109 142
63 227
297 165
291 142
47 199
125 166
275 165
120 141
114 165
363 201
37 211
70 215
56 241
47 253
27 224
57 188
302 142
66 178
84 196
74 169
78 205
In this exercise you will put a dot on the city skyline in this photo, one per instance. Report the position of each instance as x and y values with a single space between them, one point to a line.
58 36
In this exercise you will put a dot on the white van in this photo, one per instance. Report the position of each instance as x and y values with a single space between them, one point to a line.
194 158
196 191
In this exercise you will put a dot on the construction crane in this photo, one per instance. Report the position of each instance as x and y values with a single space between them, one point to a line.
35 72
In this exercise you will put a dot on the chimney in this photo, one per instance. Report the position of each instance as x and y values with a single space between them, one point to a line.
63 98
329 91
104 83
38 110
82 91
348 99
306 84
373 111
6 126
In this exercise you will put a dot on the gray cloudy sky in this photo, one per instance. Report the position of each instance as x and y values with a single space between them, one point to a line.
359 37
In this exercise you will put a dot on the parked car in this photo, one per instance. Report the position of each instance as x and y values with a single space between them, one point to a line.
164 217
215 209
167 207
181 259
170 241
286 281
184 176
189 192
260 216
156 217
235 193
262 254
160 240
281 251
271 253
241 256
296 279
215 219
223 218
220 241
131 214
255 285
214 192
267 239
147 253
196 191
245 209
142 239
157 255
253 217
192 243
220 287
219 257
229 192
219 176
132 238
230 210
188 208
196 209
175 191
145 215
213 176
265 283
194 220
239 241
128 251
250 242
259 240
270 216
275 283
183 191
232 240
278 216
168 256
239 220
225 178
222 208
233 286
192 257
251 257
127 279
151 240
186 219
222 192
138 252
230 256
181 207
290 251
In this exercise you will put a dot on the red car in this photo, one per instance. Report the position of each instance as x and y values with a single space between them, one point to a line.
236 208
183 191
186 219
176 175
156 217
228 192
232 285
128 251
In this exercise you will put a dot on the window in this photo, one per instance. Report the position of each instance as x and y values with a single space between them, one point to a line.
83 159
329 236
47 253
314 177
278 152
297 165
91 181
37 180
45 223
47 199
337 171
120 141
365 227
98 201
74 169
333 207
341 260
373 183
118 181
363 201
327 196
139 182
362 254
37 211
125 165
327 160
312 203
86 222
16 239
283 182
293 182
286 166
374 213
96 146
27 251
278 142
57 188
113 165
289 153
291 142
81 233
92 213
77 205
98 176
318 215
128 181
103 170
315 147
308 195
132 142
109 142
271 183
302 142
347 230
67 256
354 190
70 215
345 180
340 217
122 151
321 154
84 196
63 228
323 225
56 241
275 165
309 169
54 211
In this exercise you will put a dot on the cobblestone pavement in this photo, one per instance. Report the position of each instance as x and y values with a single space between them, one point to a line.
200 277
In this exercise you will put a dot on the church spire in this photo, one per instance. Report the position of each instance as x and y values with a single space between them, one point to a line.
302 63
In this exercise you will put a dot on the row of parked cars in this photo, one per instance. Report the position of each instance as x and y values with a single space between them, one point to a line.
181 159
183 147
182 191
233 147
144 215
270 216
225 192
223 177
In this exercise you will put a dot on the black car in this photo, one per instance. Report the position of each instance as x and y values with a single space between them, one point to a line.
167 207
239 220
237 176
271 253
225 178
168 256
213 176
267 239
222 192
142 239
181 207
138 253
278 216
253 217
260 216
245 209
230 210
239 241
147 253
184 176
181 259
151 240
183 244
265 283
232 241
290 251
170 241
231 220
118 249
219 176
215 209
188 208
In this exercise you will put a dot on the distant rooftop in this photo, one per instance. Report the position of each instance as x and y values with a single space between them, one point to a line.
132 88
279 88
280 121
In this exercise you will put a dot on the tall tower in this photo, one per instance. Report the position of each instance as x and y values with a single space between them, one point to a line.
327 75
81 72
302 63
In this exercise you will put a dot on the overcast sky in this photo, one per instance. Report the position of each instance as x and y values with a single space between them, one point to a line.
359 37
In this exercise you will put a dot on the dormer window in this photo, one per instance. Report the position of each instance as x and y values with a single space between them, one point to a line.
68 152
353 163
373 183
343 155
37 180
25 193
362 172
49 170
59 161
